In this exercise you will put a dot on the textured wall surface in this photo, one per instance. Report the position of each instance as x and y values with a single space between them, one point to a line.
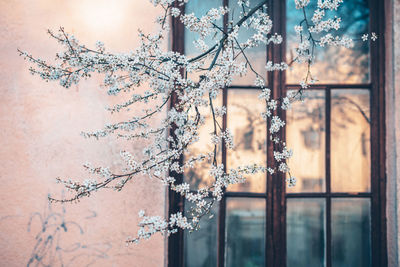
396 109
40 140
392 40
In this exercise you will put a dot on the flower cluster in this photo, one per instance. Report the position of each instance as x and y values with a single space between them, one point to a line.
194 84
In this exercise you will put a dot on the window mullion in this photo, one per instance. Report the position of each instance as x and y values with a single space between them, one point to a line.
276 202
175 201
378 153
328 176
222 205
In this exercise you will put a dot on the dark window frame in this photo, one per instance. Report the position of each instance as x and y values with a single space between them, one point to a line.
276 186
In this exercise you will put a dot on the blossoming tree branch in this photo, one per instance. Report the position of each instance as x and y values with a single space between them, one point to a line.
195 83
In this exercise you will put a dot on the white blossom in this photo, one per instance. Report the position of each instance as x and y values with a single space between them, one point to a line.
175 12
374 36
195 83
364 37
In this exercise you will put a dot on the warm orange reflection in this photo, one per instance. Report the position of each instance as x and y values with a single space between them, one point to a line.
249 130
257 56
199 177
333 65
305 134
350 141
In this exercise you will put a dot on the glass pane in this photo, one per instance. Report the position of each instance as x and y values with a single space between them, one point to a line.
198 176
333 64
249 131
245 232
256 55
350 141
200 247
305 134
351 232
305 229
199 8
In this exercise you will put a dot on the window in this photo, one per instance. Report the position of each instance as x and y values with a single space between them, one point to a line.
334 216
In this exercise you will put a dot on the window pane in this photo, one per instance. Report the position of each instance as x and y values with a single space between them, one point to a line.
350 141
245 232
333 64
249 131
199 176
305 134
199 8
305 224
256 55
351 232
200 247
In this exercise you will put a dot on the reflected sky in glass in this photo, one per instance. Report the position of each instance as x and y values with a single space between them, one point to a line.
256 55
351 232
199 8
200 247
305 234
334 64
245 232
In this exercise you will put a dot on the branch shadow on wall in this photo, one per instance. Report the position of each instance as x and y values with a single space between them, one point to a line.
53 246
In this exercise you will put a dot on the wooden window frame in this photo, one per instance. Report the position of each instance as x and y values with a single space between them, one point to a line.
276 186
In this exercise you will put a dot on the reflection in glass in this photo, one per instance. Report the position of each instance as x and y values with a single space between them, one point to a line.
350 141
256 55
245 232
198 176
351 230
199 8
333 64
305 134
200 247
249 131
305 222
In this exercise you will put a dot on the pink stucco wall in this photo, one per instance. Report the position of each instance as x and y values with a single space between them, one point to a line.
40 125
